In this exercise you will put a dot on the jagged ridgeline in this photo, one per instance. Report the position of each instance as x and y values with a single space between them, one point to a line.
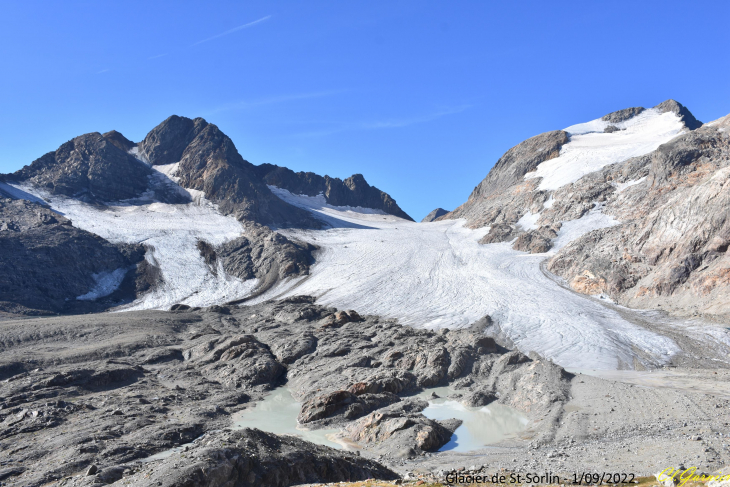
51 265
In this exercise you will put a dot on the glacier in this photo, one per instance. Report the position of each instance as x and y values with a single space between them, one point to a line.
437 275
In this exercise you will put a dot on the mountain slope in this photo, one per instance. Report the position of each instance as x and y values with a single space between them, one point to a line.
521 182
197 205
670 249
657 178
48 265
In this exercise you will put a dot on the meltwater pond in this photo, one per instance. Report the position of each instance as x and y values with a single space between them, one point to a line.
481 426
277 413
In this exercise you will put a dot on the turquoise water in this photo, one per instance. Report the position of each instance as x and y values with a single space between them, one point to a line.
277 413
481 426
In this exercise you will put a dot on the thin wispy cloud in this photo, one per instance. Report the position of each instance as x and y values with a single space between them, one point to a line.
157 57
235 29
272 100
405 122
387 124
103 71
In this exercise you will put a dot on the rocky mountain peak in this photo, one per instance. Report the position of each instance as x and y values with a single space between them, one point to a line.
437 213
91 167
353 191
681 111
166 143
507 179
110 167
670 105
119 140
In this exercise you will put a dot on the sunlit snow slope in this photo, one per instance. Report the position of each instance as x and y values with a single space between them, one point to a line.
171 232
437 275
590 149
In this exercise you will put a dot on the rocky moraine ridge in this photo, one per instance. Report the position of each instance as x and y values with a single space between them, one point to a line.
106 390
108 169
84 399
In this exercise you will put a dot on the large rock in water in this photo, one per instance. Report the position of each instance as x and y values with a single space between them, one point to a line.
90 167
353 191
46 263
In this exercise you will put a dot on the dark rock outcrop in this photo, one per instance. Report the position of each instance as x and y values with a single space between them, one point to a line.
622 115
353 191
90 167
537 241
253 458
46 262
500 232
236 362
437 213
264 254
209 162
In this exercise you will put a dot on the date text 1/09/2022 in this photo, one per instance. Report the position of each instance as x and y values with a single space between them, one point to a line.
583 478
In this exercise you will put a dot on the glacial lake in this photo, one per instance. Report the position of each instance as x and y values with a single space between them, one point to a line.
482 426
277 413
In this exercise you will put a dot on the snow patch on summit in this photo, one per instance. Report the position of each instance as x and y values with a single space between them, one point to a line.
590 149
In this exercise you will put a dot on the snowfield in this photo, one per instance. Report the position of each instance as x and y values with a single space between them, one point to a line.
438 275
171 233
589 149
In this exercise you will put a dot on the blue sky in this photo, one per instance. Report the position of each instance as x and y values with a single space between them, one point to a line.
421 97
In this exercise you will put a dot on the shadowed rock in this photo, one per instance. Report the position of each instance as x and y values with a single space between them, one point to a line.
437 213
622 115
46 263
90 167
353 191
